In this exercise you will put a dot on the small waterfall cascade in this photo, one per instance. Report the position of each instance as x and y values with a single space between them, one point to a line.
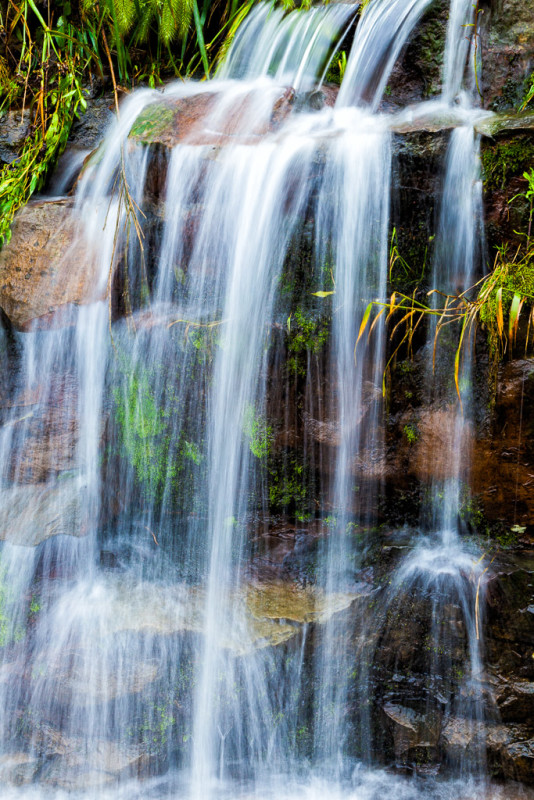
151 643
440 568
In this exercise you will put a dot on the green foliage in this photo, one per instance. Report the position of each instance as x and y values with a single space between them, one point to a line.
529 93
336 70
288 487
173 17
410 433
49 68
156 727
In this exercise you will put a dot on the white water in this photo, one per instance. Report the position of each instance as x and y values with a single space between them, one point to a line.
163 641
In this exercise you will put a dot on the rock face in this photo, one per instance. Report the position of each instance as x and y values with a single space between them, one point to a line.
14 126
31 514
45 271
507 49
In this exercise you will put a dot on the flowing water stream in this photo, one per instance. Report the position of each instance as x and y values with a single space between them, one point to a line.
158 663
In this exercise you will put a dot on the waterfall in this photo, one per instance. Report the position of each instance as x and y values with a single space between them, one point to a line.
145 636
382 33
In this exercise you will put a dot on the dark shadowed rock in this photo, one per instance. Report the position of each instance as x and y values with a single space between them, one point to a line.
14 126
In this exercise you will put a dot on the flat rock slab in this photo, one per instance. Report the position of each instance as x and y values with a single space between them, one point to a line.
212 118
45 270
30 514
257 615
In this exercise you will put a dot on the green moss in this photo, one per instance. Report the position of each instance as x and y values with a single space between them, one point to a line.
257 432
308 334
288 484
506 159
160 458
156 727
154 121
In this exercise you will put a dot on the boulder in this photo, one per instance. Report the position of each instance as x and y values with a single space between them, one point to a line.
45 270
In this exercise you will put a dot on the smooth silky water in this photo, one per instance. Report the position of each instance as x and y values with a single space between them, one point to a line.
155 617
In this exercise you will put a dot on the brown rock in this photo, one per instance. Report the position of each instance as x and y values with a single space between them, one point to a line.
503 461
209 119
45 269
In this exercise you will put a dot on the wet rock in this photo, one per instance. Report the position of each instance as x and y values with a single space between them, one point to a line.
417 73
18 769
44 444
287 601
263 615
505 123
507 49
45 269
14 127
86 683
503 460
518 761
205 119
411 730
88 131
462 737
516 701
31 514
74 763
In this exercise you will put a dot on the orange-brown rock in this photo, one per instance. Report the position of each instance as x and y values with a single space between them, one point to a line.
45 272
503 461
212 118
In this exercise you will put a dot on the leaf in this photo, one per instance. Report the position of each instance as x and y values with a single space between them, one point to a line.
500 319
365 320
392 305
322 294
200 38
515 310
382 310
289 324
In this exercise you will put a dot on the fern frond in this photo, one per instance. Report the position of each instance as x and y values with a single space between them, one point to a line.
175 19
148 11
125 14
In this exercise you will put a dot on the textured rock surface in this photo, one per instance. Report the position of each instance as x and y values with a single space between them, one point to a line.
30 514
14 126
507 51
44 269
204 119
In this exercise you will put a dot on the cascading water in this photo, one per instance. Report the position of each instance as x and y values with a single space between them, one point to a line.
154 643
440 568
